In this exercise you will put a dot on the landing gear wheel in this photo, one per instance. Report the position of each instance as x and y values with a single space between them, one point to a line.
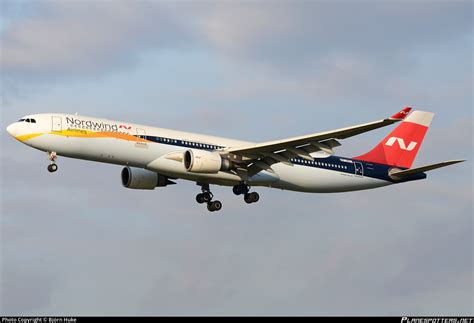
210 207
217 205
255 197
207 196
251 197
214 206
200 198
240 189
247 198
52 168
52 158
236 190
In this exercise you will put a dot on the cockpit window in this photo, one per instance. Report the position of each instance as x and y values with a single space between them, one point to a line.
27 120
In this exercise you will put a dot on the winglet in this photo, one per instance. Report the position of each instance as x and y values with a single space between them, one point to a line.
401 114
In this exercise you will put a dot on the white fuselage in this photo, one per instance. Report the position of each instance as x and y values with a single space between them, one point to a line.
160 150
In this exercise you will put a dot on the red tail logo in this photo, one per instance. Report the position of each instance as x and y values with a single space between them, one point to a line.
401 146
401 143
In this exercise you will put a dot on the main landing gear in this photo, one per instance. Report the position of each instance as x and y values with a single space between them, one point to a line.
206 197
244 189
52 167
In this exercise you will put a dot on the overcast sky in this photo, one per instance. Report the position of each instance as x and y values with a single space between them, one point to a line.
77 243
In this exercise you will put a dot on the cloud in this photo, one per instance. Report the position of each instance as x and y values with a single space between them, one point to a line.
315 49
328 52
306 32
85 38
78 37
17 283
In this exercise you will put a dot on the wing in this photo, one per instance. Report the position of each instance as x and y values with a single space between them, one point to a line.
261 156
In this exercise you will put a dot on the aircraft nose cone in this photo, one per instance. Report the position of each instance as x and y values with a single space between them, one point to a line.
11 130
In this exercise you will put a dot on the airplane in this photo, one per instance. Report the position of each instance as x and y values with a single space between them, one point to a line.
155 157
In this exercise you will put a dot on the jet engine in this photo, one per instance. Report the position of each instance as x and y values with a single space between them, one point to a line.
201 161
142 179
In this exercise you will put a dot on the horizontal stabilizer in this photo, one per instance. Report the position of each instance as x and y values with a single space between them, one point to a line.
401 174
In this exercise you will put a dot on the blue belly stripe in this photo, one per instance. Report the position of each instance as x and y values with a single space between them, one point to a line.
333 163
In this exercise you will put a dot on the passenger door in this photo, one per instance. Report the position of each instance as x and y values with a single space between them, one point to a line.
141 134
57 124
359 169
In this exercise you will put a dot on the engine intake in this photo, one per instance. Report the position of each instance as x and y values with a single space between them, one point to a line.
142 179
201 161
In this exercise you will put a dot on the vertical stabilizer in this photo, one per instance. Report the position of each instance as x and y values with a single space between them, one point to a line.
400 147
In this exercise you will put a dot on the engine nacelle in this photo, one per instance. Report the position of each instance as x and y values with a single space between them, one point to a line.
142 179
201 161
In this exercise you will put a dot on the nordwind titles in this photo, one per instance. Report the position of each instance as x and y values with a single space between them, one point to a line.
93 124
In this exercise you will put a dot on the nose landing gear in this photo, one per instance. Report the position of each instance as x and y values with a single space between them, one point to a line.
52 167
206 197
